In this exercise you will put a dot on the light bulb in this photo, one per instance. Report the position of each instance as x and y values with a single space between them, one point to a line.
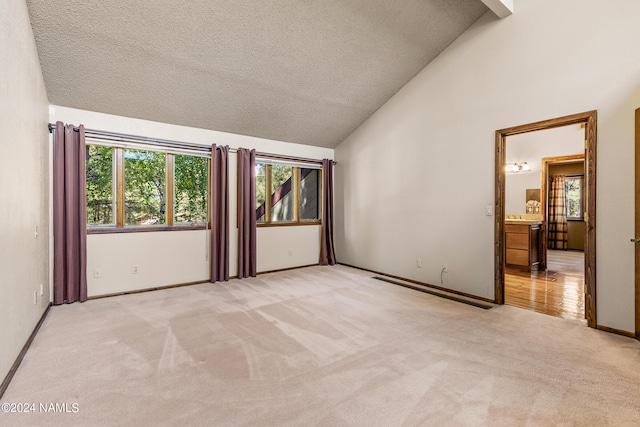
525 167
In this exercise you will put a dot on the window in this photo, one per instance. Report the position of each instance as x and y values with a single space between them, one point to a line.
310 194
132 188
574 191
190 189
261 192
281 193
287 194
144 187
100 189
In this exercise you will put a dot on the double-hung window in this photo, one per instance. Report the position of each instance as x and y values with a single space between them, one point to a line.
287 193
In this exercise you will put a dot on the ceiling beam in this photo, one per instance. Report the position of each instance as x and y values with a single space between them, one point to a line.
502 8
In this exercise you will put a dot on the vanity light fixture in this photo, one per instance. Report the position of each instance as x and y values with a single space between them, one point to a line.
517 167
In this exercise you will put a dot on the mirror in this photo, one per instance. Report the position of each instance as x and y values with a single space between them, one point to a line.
533 205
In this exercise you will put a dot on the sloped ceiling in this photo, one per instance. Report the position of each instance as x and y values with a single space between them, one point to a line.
301 71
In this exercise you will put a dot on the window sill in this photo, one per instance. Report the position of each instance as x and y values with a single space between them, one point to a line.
287 224
142 228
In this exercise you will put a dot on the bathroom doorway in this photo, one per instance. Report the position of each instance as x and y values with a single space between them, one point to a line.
534 267
556 286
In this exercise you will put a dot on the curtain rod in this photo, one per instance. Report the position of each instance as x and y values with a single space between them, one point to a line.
174 144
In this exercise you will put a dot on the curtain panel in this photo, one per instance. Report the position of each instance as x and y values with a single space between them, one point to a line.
219 214
69 215
558 238
247 265
327 252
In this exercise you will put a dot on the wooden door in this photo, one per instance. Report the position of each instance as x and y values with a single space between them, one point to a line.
637 227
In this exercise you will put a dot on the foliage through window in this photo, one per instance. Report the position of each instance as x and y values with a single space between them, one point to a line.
287 194
190 189
131 187
574 191
261 191
144 187
100 190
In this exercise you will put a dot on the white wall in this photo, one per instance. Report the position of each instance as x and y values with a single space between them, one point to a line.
162 258
24 183
173 257
532 147
168 258
298 246
413 181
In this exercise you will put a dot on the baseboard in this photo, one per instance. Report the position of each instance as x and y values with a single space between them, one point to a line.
440 288
157 288
287 269
23 352
179 285
616 331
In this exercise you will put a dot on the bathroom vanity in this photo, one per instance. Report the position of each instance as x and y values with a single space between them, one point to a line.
522 243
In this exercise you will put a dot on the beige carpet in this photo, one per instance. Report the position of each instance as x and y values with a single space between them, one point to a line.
320 346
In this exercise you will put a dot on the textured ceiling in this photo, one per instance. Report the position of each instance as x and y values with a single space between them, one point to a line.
300 71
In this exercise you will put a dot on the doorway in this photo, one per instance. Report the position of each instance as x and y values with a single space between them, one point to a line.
556 285
506 235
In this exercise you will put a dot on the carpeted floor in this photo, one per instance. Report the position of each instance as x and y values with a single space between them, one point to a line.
319 346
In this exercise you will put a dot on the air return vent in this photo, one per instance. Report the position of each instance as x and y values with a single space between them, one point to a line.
438 294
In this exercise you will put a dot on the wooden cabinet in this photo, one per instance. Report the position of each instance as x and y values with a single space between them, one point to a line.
522 242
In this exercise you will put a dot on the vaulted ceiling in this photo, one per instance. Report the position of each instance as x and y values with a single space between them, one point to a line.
307 71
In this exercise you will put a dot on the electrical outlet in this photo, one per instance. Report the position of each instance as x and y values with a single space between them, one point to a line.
41 289
419 263
444 275
134 269
97 273
35 297
289 252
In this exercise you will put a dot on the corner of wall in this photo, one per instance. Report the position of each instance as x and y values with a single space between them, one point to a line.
24 174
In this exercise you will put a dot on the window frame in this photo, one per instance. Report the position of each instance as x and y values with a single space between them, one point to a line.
119 198
575 218
295 188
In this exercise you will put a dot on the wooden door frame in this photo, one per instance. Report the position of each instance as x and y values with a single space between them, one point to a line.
589 119
637 223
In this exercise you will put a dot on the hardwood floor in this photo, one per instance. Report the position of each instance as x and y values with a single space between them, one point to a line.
558 291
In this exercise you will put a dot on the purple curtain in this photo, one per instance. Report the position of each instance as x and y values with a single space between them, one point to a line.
327 252
558 238
69 215
246 213
219 214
